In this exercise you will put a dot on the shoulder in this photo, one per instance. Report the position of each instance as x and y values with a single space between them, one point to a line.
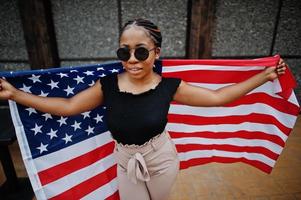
108 79
171 82
108 82
170 86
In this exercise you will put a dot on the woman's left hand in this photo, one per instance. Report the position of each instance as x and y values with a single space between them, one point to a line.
273 72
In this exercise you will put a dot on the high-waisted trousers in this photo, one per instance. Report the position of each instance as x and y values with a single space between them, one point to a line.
148 171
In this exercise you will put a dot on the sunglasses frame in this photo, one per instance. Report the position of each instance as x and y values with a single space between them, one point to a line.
128 51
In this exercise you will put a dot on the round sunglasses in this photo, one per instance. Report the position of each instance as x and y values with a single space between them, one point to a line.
140 53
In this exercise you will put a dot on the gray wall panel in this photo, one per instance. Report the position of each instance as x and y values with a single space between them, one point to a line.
12 43
81 62
244 28
13 66
288 40
169 15
86 29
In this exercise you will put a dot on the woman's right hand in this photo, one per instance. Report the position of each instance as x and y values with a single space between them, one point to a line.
6 90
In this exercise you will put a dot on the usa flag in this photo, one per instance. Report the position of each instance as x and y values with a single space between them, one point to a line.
71 157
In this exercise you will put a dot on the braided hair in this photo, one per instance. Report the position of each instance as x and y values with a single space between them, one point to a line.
151 29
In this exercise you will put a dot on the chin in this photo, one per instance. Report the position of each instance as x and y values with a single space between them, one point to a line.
139 75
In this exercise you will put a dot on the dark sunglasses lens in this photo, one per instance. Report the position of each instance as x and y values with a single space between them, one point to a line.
123 54
141 53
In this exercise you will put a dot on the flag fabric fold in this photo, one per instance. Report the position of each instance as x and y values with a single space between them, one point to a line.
71 157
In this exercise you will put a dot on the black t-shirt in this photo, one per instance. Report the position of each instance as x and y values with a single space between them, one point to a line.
136 118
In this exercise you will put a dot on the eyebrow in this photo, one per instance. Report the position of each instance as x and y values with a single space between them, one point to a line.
137 45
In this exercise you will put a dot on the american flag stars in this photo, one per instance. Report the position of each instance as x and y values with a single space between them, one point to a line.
114 70
90 130
42 147
52 133
47 133
47 116
35 78
43 94
67 138
53 84
89 73
37 129
79 79
86 114
63 75
25 88
62 121
76 125
31 110
98 118
92 83
69 90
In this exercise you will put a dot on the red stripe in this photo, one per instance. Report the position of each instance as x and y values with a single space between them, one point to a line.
267 61
278 103
89 185
254 118
225 135
260 150
199 161
63 169
210 76
114 196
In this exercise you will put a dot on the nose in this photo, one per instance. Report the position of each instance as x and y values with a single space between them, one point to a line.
132 59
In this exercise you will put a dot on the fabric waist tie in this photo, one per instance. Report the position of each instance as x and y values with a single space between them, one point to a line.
134 157
136 169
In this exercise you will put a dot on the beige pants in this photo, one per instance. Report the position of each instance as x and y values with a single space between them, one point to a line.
147 172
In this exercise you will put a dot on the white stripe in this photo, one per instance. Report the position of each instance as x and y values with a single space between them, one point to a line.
181 68
240 110
210 153
104 191
231 141
277 87
25 151
267 88
72 151
59 186
268 129
293 99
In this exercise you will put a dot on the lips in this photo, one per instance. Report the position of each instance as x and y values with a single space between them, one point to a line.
134 69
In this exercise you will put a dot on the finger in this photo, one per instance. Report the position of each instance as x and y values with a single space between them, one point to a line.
281 68
280 73
281 61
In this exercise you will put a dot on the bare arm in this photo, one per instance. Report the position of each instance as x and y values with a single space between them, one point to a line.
197 96
83 101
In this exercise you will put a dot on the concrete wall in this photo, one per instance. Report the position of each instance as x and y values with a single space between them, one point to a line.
255 28
13 54
87 31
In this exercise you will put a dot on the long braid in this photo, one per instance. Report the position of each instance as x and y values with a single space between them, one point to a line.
150 27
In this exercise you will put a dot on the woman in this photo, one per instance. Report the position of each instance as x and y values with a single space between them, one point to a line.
137 103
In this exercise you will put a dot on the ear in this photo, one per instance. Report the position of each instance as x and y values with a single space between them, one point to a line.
158 51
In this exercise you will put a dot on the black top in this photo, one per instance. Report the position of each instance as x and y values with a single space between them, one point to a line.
136 118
